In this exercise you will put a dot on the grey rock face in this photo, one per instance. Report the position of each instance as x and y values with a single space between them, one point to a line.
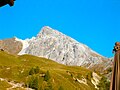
54 45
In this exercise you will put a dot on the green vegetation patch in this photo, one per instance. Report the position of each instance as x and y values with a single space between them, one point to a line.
43 74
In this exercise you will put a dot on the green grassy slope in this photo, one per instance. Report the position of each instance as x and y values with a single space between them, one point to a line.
42 74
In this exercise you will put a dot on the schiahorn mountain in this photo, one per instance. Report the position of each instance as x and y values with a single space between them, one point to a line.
52 44
52 60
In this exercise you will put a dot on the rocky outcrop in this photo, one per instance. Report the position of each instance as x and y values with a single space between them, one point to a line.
11 45
54 45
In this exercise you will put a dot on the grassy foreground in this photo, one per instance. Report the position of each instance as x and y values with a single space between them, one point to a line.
41 74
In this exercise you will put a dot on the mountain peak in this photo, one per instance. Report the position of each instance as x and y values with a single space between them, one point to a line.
46 30
46 27
61 48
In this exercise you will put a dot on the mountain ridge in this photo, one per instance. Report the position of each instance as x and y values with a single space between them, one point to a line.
54 45
53 41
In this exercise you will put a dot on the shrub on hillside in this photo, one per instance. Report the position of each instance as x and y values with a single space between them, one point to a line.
31 72
33 83
34 70
89 76
47 76
104 84
109 70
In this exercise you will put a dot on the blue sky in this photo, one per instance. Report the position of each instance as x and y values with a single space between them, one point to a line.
95 23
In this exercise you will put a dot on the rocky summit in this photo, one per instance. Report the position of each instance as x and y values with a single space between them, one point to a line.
54 45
